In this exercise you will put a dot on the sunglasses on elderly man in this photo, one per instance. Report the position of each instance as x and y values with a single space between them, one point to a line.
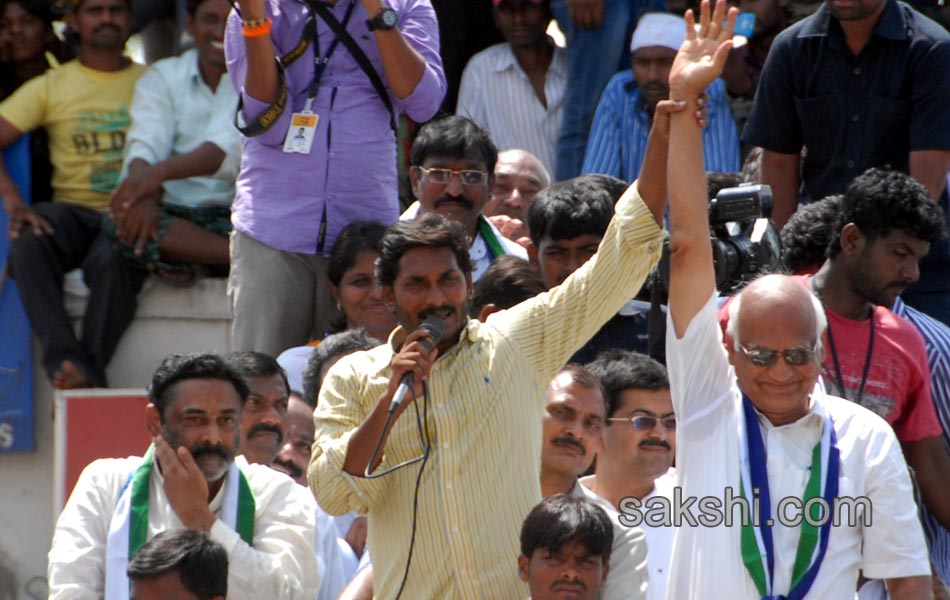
766 357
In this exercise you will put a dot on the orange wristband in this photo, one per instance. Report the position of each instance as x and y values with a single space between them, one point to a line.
257 30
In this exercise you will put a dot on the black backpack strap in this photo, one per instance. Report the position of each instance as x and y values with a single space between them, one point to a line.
361 59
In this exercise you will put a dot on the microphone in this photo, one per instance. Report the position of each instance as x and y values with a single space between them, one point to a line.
435 327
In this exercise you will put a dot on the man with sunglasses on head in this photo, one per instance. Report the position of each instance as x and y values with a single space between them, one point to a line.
752 422
453 165
636 462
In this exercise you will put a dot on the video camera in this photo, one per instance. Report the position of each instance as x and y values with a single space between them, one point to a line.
745 243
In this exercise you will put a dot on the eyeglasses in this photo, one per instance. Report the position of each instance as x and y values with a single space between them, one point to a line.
647 423
468 178
766 357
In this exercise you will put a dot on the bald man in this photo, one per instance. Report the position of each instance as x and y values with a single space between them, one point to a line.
519 176
754 429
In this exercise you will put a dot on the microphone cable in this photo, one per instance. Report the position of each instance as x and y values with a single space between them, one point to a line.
422 427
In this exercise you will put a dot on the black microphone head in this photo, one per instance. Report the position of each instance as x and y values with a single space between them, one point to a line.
434 325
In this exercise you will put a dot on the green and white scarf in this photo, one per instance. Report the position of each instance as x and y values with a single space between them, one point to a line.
128 529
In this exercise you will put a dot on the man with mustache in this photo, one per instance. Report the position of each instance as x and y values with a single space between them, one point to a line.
453 165
573 426
264 416
618 137
84 107
477 439
639 445
171 210
190 477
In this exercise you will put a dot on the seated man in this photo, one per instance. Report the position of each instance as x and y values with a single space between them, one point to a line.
565 548
172 209
453 164
264 415
84 107
754 426
618 138
180 563
516 90
190 477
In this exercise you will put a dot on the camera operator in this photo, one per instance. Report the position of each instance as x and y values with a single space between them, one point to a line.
346 70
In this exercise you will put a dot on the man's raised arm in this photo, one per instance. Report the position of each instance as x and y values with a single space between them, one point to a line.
697 64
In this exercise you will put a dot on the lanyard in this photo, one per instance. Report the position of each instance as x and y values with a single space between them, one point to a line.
867 360
320 62
758 549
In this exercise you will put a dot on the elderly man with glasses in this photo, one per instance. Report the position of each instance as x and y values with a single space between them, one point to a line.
453 161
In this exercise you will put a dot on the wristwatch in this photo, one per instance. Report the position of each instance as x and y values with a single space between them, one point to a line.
384 21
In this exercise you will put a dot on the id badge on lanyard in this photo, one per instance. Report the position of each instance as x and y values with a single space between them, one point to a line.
303 124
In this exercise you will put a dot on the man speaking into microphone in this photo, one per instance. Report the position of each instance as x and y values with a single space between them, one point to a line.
447 476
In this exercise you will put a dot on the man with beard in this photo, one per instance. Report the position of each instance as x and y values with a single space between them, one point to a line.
618 137
84 107
172 209
264 415
453 164
190 477
637 460
573 426
478 435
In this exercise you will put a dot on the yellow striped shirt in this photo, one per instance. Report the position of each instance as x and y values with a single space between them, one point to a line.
484 422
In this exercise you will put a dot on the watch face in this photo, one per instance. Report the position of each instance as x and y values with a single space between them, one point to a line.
389 18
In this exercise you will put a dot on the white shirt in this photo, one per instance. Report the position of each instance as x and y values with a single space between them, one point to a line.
659 540
478 251
173 112
708 407
628 576
496 93
280 564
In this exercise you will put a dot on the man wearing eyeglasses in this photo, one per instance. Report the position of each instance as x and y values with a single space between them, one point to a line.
453 164
637 457
752 423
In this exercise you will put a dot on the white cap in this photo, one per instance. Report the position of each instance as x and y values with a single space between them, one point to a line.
659 29
294 361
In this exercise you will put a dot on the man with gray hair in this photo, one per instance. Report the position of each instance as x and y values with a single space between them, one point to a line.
754 429
618 138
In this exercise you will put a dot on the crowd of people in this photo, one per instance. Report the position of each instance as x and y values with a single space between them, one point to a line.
482 347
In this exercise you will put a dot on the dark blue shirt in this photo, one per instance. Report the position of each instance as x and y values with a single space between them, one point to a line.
852 113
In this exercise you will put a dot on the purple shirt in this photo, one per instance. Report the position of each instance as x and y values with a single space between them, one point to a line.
281 199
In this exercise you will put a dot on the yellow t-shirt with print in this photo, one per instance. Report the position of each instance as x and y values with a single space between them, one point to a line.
86 114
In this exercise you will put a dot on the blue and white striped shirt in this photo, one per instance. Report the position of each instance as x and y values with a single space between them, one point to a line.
618 137
937 341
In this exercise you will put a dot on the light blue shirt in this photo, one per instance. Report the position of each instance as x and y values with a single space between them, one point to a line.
618 137
937 342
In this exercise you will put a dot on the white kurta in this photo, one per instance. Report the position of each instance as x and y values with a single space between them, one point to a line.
708 407
280 564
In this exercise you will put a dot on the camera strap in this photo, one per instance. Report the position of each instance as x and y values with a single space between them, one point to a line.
266 119
358 55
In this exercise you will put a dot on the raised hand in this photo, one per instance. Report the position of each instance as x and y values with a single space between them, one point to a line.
703 55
